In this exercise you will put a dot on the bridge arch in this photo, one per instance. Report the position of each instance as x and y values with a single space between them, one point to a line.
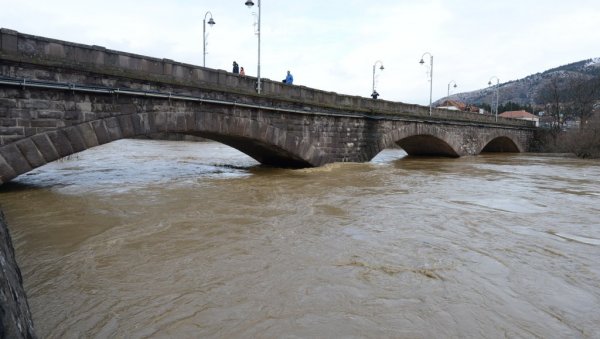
424 144
501 144
265 143
417 139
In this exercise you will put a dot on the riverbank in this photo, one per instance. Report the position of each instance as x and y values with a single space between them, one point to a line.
15 317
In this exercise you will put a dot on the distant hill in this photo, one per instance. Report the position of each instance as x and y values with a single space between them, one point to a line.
525 91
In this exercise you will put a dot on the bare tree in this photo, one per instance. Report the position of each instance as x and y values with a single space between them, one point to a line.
550 95
583 94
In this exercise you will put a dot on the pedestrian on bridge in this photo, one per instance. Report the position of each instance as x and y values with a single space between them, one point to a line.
289 79
236 68
242 72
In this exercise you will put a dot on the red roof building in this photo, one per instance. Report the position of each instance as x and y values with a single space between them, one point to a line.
523 115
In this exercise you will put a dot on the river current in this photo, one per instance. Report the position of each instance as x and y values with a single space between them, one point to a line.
164 239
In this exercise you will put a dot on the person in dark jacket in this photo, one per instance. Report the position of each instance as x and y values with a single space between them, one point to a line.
236 68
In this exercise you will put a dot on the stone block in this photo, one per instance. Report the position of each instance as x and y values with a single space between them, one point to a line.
7 139
87 133
8 103
101 132
128 108
72 115
161 121
167 67
61 143
29 131
6 172
190 121
46 123
84 107
35 104
98 55
48 114
19 113
176 122
151 66
113 128
9 41
15 158
8 122
143 124
75 138
23 122
126 124
55 50
180 72
11 130
31 152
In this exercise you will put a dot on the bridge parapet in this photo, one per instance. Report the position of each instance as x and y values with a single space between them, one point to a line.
29 49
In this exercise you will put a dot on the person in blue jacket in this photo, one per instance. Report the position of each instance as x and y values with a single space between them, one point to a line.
289 79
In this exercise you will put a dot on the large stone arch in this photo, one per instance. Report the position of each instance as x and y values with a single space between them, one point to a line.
265 143
253 135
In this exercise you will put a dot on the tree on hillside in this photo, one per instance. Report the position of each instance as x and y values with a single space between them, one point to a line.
582 96
585 143
550 95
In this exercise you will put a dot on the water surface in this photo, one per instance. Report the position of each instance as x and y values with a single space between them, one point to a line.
161 239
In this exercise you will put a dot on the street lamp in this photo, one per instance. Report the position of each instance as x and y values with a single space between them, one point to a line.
250 3
374 67
497 86
211 22
430 76
452 81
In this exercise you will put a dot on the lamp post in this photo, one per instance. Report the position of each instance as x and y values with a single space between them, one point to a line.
452 81
497 86
211 22
430 76
374 67
250 3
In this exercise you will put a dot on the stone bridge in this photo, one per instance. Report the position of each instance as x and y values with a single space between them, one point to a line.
58 98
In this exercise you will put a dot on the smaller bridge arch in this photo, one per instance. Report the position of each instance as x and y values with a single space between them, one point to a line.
424 144
501 144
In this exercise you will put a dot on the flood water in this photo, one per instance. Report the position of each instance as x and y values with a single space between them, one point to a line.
159 239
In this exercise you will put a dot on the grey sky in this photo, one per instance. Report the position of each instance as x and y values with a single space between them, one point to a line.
332 45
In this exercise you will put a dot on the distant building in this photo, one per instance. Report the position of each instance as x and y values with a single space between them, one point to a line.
522 115
455 105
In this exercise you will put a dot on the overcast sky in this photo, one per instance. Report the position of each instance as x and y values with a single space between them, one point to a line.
331 44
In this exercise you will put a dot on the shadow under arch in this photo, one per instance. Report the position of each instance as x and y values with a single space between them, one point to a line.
426 145
501 144
261 151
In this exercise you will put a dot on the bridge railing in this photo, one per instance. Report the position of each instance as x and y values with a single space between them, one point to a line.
46 52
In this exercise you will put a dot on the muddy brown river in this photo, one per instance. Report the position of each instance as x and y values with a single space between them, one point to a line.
163 239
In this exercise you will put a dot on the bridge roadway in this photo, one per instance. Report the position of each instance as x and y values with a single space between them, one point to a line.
58 98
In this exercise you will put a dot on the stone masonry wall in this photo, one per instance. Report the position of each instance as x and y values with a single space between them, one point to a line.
15 317
26 56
